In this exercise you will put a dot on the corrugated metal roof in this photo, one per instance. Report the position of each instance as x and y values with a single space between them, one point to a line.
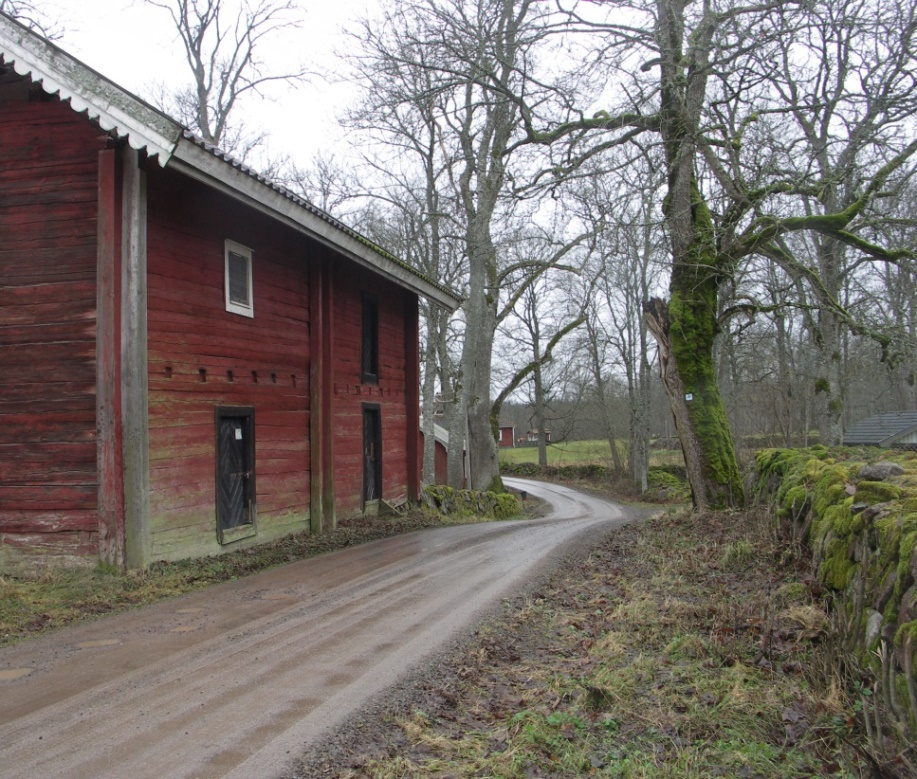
310 207
881 429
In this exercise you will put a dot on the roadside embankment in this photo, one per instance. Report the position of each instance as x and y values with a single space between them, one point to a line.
857 515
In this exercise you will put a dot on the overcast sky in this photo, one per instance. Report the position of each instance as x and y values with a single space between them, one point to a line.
135 46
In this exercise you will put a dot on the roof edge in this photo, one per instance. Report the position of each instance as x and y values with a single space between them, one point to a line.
115 109
237 181
146 128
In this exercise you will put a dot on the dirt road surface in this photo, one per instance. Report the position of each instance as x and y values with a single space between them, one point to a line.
238 680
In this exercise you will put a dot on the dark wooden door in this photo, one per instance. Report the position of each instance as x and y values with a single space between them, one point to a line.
234 469
372 455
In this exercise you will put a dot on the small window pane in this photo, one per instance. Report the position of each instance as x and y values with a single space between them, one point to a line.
238 279
237 286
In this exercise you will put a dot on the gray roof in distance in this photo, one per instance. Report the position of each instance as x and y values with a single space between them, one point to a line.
882 429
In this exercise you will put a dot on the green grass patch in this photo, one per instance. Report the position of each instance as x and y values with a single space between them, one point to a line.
584 452
681 647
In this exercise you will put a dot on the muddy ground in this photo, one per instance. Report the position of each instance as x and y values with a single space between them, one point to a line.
685 645
481 663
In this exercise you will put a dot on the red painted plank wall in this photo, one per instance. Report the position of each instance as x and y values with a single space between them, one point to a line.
201 356
48 474
350 394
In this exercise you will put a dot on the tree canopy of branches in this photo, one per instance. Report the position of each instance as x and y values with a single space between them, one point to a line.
32 16
224 44
441 78
777 120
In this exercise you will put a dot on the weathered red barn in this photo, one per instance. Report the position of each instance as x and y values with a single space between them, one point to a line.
193 358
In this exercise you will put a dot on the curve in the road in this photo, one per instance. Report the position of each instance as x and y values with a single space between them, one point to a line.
237 680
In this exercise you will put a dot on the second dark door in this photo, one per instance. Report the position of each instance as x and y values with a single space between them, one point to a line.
372 455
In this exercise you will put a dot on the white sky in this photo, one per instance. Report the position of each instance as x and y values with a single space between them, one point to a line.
135 46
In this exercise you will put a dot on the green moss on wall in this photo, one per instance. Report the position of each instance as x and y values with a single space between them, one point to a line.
863 536
877 492
452 502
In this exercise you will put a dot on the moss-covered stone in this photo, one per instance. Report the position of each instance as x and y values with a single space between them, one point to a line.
907 631
667 486
449 501
863 536
789 594
796 502
872 492
839 518
837 569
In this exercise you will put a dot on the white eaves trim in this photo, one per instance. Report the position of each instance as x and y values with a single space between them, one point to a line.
198 163
115 109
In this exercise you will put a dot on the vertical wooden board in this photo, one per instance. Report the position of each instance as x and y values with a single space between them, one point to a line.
108 354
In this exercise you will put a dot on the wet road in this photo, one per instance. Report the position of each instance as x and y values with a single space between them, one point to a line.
237 681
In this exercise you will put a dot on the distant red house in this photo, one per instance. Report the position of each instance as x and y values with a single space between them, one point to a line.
507 437
440 456
193 358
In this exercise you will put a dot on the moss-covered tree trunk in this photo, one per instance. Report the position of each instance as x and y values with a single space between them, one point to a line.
686 366
687 331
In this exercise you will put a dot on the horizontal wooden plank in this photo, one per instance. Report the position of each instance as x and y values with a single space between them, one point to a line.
39 333
67 356
39 497
46 547
48 522
16 396
25 470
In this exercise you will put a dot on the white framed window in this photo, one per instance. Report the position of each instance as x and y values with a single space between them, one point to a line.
239 299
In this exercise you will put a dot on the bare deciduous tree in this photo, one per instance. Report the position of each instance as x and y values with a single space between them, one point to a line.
224 45
699 79
32 16
459 64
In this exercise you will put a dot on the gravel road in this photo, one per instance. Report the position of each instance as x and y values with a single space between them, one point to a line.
240 679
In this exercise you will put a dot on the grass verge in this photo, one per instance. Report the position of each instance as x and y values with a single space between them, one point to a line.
30 606
685 646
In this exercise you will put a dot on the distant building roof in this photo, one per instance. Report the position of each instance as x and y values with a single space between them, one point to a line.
886 429
440 433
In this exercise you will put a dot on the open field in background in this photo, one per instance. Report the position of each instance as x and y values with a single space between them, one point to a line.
584 453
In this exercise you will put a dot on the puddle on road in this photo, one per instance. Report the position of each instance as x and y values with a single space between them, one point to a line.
11 674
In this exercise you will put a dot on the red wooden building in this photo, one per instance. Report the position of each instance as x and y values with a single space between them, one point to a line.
193 358
440 455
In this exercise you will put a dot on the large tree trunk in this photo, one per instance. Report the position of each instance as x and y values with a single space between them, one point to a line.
684 331
829 380
474 395
539 414
686 328
639 396
595 364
